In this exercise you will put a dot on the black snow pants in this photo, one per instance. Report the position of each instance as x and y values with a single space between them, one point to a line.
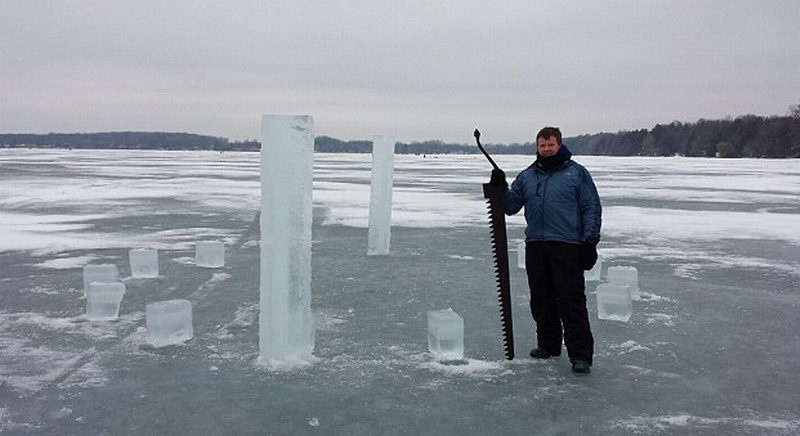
558 299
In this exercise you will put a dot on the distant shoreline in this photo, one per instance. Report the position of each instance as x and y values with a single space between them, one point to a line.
748 136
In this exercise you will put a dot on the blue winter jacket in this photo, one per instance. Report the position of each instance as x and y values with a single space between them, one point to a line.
562 205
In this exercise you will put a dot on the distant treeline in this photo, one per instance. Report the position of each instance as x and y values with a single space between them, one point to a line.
745 136
116 140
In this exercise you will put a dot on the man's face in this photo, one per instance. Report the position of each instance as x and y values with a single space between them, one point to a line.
547 146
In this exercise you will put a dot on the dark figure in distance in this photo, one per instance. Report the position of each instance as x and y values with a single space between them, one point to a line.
563 215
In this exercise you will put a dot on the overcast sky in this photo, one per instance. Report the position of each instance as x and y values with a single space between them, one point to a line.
414 69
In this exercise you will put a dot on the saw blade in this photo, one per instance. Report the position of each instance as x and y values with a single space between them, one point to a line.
495 196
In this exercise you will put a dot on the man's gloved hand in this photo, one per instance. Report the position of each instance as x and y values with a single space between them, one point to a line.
588 255
498 178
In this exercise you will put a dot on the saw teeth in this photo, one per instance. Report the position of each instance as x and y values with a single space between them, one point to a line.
499 246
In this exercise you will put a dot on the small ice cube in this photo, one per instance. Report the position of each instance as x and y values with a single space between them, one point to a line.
106 272
169 322
144 262
614 302
445 334
625 275
210 254
102 300
594 274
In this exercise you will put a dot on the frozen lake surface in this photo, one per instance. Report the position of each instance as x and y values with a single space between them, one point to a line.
712 348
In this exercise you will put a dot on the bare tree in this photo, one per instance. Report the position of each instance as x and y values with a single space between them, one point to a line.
794 111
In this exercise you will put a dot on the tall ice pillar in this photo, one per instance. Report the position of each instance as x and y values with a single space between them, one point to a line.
380 196
286 324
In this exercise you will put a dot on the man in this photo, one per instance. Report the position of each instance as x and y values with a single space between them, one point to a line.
563 213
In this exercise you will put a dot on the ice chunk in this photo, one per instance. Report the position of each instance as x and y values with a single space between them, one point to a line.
594 274
521 255
445 334
625 275
102 300
286 323
169 322
614 302
380 196
144 262
106 272
210 254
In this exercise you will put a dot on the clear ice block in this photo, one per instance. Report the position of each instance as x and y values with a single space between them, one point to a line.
614 302
169 322
285 320
445 334
210 254
379 234
625 275
144 263
102 300
521 255
106 272
594 274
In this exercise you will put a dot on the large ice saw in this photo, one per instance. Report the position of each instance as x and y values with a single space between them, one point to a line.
495 196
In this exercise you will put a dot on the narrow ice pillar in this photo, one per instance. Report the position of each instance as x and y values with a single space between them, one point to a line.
380 196
286 324
521 255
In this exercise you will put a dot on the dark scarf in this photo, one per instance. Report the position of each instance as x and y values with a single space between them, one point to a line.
548 164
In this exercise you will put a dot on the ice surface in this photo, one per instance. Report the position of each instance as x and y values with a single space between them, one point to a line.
521 255
106 272
376 375
210 254
445 334
380 198
144 262
286 324
169 322
103 299
614 302
596 273
625 275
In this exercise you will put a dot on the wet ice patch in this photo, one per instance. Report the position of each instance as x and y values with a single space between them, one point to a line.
8 424
184 260
325 319
210 284
217 278
684 422
688 271
252 243
469 367
646 371
650 297
660 318
27 367
66 262
627 347
90 374
244 317
46 290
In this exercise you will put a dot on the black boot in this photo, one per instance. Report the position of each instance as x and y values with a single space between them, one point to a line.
581 367
541 353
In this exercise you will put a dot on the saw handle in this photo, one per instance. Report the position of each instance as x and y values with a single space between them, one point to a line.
478 140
